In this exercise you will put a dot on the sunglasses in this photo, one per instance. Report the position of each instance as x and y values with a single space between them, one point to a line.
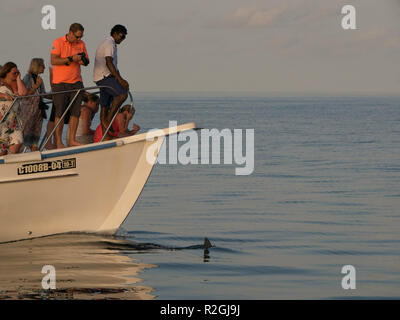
15 73
77 36
123 36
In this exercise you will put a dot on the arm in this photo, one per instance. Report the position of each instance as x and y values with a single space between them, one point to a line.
22 91
6 96
121 123
56 60
127 118
135 129
86 121
115 73
31 86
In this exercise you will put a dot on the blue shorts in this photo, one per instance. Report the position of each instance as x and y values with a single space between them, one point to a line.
106 94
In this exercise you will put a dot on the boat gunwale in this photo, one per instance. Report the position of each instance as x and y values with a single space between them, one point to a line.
147 136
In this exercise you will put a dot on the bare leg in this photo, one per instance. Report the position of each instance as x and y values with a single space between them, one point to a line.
58 134
73 125
103 114
50 144
117 102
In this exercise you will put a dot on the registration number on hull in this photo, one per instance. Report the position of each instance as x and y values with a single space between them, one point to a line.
47 166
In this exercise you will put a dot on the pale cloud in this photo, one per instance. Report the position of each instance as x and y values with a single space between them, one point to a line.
251 17
279 13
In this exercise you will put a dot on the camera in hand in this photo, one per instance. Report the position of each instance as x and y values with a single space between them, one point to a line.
84 59
42 105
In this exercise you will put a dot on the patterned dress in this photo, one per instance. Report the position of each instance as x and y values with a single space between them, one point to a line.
10 129
31 115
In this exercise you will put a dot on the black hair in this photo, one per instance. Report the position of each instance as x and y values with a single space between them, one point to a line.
118 29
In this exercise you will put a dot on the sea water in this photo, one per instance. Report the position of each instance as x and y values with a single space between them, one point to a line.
324 194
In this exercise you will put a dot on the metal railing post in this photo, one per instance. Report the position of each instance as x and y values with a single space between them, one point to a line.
8 110
44 141
115 115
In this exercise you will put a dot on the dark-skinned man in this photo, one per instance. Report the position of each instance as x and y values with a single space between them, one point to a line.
106 73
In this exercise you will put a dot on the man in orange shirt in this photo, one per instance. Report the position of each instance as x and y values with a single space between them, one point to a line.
67 60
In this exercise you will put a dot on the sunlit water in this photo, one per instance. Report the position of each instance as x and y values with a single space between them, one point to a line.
325 192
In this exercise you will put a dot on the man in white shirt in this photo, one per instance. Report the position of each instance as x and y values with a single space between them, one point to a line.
106 73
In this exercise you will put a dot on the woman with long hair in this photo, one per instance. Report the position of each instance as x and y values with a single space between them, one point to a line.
11 136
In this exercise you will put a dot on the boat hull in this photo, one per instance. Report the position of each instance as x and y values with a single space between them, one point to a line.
91 189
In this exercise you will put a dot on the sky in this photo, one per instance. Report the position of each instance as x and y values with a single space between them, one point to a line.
271 46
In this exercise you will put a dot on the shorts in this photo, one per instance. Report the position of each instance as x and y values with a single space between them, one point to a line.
106 94
61 101
53 116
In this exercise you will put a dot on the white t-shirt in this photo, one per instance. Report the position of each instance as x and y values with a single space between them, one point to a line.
107 48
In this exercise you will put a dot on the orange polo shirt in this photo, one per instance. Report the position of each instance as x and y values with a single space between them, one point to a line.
63 48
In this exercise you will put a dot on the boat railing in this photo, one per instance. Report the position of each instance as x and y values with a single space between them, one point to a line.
47 94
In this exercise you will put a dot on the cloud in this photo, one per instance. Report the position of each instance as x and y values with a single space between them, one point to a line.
251 17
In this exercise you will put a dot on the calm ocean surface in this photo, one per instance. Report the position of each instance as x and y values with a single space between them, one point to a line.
325 193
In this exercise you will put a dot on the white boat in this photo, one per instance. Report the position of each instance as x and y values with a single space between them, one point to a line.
89 188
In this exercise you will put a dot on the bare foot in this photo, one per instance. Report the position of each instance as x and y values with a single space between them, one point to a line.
50 146
74 144
108 137
60 146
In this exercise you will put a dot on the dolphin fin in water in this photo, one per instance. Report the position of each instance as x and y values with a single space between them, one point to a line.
207 243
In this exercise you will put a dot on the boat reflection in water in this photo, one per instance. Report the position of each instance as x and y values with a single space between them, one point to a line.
87 267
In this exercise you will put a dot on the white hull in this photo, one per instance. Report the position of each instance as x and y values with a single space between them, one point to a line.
93 193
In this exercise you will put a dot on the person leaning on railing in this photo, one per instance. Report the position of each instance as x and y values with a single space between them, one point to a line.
119 125
84 134
123 118
11 136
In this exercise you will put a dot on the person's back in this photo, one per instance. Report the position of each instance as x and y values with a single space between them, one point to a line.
112 133
84 133
123 118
